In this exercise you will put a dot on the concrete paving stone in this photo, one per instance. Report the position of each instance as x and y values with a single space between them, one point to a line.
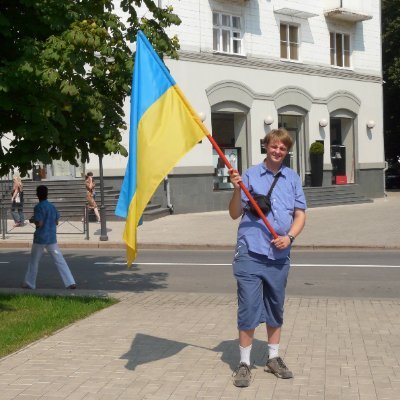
366 388
183 355
231 391
217 383
262 396
291 392
332 396
333 382
387 394
349 396
167 388
9 394
183 392
150 388
247 393
333 371
333 390
7 379
76 395
157 397
69 388
228 397
364 381
396 386
382 384
347 370
380 377
129 396
395 378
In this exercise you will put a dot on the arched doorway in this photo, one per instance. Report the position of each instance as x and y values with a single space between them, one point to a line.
343 109
293 119
229 121
342 141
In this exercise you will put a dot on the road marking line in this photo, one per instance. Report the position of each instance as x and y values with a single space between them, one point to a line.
180 264
4 262
163 263
347 265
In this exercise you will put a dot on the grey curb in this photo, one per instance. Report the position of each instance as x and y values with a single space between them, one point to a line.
7 244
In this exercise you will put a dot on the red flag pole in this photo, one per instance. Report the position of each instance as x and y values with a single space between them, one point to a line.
243 187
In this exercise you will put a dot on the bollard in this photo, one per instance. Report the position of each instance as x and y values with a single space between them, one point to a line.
86 223
3 222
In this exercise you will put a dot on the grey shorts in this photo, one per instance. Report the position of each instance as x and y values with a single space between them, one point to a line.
261 284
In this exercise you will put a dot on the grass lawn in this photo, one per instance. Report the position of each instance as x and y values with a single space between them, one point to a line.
26 318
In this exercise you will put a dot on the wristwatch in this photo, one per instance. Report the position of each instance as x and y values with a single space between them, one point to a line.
291 238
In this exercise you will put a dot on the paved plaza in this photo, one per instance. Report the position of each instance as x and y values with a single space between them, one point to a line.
156 345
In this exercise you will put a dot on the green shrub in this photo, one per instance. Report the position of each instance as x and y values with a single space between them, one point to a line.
317 148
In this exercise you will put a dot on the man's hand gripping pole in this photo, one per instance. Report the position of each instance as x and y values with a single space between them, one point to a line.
243 187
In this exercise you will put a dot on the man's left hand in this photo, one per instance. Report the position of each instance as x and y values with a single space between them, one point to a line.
281 242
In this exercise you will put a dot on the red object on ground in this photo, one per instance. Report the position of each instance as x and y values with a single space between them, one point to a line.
341 179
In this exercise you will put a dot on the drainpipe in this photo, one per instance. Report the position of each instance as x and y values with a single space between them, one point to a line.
384 180
168 193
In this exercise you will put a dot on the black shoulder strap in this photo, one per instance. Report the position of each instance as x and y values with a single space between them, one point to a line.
273 184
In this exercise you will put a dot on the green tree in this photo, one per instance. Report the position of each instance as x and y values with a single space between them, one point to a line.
65 70
391 76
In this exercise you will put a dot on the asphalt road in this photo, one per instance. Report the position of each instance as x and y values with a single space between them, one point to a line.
372 274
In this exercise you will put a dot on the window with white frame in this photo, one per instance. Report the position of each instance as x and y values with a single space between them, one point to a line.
227 33
340 49
289 41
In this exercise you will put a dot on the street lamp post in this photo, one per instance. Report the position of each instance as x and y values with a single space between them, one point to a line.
103 222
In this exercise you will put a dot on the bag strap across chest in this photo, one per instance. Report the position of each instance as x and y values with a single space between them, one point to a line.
273 184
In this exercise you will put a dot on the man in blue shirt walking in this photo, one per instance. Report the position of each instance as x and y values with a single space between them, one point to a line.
46 217
261 263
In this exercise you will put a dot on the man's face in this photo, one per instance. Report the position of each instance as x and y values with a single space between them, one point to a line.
276 151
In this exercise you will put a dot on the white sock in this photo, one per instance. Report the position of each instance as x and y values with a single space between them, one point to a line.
245 354
273 350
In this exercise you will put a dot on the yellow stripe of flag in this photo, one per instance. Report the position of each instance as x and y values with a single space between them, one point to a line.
164 127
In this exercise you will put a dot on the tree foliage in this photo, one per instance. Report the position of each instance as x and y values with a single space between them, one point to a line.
391 76
65 70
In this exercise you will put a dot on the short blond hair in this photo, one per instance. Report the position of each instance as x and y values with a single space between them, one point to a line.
281 135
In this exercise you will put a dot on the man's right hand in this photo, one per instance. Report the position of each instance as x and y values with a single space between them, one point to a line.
235 178
235 205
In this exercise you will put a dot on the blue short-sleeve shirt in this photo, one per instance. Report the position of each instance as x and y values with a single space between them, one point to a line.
286 196
49 215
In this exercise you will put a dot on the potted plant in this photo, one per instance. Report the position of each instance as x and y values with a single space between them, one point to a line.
317 163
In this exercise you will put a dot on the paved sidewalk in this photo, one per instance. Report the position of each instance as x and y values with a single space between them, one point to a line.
364 225
179 346
158 346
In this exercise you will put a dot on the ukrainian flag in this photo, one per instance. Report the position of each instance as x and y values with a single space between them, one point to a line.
163 128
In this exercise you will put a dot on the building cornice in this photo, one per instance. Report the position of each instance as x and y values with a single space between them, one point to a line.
287 67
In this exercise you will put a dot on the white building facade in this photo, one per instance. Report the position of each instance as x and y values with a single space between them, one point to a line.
249 66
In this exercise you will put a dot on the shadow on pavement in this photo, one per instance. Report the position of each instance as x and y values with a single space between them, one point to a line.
146 349
88 275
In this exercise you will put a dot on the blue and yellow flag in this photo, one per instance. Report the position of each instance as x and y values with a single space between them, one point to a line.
163 128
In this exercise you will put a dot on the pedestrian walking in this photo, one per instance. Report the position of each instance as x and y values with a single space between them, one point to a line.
91 194
261 263
46 218
17 202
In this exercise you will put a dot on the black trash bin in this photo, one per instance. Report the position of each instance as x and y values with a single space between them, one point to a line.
338 157
36 172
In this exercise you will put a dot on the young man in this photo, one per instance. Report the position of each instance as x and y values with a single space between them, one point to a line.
46 218
261 263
